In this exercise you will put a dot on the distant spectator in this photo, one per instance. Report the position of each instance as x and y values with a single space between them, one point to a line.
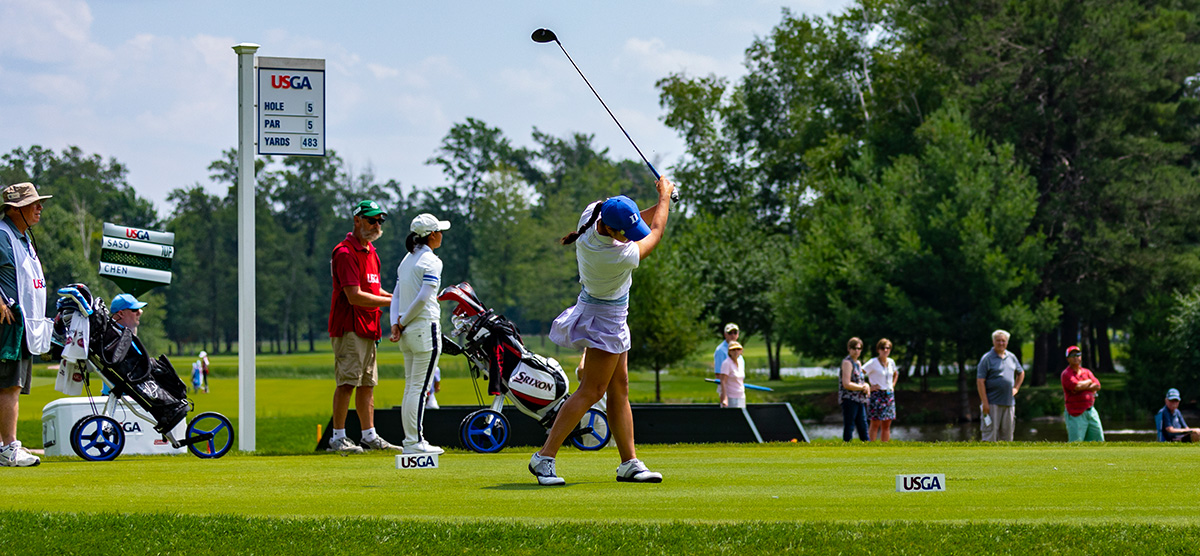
722 351
204 370
853 391
881 407
1170 424
733 378
435 386
196 377
1079 388
998 378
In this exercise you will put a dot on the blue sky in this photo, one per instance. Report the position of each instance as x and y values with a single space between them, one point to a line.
153 83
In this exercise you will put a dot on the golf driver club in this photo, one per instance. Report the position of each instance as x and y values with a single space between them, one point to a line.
545 35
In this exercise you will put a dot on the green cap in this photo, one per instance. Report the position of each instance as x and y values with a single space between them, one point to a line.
368 208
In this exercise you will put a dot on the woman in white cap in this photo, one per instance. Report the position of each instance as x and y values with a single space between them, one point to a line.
612 239
416 319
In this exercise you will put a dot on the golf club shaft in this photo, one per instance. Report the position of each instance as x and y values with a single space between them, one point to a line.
674 191
610 114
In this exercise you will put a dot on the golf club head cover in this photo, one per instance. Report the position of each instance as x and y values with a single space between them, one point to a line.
72 295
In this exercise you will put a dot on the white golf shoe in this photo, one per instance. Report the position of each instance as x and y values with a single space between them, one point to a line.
543 468
634 471
423 447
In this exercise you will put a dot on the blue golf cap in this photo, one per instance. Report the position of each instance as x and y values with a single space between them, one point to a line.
621 213
1172 394
125 301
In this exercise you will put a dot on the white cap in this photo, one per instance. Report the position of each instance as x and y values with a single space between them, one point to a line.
204 354
425 224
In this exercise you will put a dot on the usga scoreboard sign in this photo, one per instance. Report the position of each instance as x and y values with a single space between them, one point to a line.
291 106
136 259
921 483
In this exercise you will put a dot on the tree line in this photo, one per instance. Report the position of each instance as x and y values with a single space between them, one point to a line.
924 171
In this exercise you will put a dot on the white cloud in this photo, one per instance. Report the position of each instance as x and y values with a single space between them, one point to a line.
655 58
43 31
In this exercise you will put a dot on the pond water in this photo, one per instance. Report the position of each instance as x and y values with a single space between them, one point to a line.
1050 430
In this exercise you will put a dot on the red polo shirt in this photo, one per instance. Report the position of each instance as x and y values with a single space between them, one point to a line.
351 264
1083 400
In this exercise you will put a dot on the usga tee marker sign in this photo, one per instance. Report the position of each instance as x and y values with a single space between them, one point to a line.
921 483
417 461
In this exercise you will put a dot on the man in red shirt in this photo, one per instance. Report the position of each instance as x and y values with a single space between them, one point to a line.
354 328
1080 387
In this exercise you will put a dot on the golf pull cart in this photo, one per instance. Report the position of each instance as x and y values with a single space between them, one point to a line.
148 388
536 385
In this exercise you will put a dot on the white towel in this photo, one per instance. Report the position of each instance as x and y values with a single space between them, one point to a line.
76 348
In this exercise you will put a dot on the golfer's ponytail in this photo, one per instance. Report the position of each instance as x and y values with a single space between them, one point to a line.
413 240
571 237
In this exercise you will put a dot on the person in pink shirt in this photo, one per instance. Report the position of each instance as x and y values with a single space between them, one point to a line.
1080 387
733 378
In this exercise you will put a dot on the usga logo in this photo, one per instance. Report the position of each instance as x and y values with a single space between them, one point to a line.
921 483
290 82
417 461
137 234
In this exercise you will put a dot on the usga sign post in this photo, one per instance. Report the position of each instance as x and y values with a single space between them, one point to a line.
929 482
290 121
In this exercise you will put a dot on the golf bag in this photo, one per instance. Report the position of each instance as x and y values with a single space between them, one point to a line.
119 355
493 346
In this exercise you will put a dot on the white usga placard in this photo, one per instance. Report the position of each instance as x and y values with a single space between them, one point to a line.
417 461
929 482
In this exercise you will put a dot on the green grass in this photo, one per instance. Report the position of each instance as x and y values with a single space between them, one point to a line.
831 497
88 534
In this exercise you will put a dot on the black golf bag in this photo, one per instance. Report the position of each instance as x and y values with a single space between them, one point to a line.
120 356
493 346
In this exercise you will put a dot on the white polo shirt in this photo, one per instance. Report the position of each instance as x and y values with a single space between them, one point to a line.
418 268
605 264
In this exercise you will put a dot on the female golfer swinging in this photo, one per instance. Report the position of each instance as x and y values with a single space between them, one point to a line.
612 239
416 328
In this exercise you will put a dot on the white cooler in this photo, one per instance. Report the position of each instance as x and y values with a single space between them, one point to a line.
59 416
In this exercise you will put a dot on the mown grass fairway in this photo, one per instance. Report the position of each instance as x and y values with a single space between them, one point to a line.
824 498
730 482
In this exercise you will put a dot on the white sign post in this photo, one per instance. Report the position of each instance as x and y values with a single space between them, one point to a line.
291 106
246 272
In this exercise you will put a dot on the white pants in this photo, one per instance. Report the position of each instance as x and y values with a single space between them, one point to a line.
421 344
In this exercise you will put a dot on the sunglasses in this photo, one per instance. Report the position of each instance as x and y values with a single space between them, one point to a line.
377 220
857 347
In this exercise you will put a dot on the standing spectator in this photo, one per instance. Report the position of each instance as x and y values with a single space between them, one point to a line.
722 351
853 393
1079 388
998 378
1170 424
24 329
881 407
612 239
196 376
126 311
733 378
354 328
204 370
416 324
435 387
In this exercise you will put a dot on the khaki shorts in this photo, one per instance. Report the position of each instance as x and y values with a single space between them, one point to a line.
354 360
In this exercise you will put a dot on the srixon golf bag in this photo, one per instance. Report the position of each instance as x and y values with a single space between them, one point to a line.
493 346
120 356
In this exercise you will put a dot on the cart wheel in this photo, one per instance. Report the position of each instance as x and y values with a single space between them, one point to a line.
97 438
221 429
484 431
592 433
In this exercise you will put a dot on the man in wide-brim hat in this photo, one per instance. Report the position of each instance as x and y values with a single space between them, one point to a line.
24 328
